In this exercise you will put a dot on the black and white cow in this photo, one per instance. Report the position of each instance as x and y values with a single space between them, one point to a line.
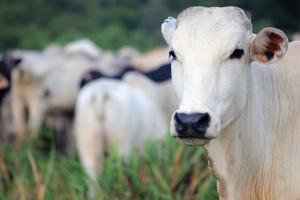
160 74
123 112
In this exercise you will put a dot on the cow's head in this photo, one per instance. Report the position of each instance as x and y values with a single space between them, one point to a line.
211 50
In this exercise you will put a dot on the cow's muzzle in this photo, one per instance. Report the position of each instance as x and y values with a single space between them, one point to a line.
193 125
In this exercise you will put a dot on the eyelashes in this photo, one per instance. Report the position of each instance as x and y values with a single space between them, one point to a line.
237 54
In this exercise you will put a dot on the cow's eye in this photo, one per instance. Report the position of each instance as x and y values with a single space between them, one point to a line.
238 53
172 55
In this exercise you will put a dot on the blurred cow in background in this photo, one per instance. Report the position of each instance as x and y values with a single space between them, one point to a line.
151 59
156 75
124 113
32 84
46 83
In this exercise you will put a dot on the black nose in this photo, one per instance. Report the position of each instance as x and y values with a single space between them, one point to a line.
191 125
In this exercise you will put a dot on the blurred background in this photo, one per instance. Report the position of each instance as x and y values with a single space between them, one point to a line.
38 169
112 24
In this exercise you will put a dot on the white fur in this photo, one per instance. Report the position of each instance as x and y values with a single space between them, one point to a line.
253 138
121 113
83 46
58 75
168 27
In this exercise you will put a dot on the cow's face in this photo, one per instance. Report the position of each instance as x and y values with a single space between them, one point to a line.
211 50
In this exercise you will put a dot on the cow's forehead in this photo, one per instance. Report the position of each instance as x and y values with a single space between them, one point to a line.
214 17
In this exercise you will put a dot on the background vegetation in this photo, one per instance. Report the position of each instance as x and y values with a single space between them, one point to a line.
166 170
32 24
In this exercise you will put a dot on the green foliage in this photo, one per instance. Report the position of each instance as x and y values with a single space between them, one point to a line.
113 23
164 170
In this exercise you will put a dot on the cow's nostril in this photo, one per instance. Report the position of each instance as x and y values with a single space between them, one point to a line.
203 122
178 124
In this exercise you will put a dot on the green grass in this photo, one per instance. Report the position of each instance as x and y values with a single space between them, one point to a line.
165 170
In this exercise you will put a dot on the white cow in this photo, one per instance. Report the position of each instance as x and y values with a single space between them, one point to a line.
122 113
45 83
239 98
48 81
27 87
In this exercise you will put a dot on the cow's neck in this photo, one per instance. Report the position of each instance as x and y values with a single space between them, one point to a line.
243 157
221 158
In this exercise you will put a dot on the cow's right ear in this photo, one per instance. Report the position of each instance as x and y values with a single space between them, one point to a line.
168 28
3 82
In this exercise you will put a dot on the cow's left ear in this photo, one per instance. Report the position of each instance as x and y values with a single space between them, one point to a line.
269 45
168 28
3 82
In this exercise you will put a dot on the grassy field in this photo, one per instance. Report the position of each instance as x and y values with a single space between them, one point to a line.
166 170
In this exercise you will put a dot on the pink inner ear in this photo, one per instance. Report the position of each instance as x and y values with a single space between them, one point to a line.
271 47
274 45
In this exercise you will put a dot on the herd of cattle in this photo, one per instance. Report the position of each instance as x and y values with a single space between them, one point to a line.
238 96
93 97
